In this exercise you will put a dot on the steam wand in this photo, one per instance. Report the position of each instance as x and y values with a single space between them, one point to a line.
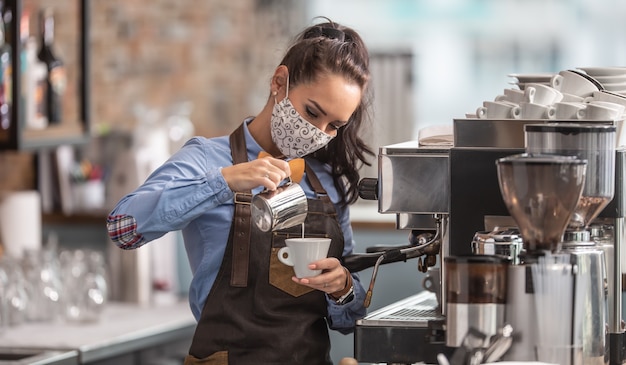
395 253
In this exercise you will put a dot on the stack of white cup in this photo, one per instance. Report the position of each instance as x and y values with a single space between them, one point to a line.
568 96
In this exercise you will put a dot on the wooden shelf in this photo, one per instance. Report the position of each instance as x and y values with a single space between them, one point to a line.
16 137
91 218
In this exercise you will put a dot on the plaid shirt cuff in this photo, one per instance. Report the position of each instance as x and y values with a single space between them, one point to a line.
122 230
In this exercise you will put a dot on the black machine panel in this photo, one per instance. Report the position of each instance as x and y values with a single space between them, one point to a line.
474 194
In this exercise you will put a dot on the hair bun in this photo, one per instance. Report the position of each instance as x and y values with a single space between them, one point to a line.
328 32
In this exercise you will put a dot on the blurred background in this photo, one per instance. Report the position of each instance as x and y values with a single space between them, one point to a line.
220 54
188 67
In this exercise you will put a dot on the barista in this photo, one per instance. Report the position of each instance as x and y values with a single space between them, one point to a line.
250 308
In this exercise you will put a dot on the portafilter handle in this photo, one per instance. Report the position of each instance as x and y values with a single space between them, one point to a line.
360 261
413 252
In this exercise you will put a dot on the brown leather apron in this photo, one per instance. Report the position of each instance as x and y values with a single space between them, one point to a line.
254 313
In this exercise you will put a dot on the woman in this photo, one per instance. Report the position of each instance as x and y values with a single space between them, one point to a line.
250 308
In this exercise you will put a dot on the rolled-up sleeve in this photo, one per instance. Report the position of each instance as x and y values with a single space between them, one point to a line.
185 186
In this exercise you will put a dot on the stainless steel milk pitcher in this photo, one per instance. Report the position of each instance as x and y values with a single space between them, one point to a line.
278 209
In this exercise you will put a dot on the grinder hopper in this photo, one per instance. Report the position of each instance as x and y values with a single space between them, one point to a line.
594 143
541 193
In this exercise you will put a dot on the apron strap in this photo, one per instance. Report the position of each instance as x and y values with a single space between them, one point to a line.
320 192
241 218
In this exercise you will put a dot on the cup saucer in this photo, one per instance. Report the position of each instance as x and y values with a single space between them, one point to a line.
603 71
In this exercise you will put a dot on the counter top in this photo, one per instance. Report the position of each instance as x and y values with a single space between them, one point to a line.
122 328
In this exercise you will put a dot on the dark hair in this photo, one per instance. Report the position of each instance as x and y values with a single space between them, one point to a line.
332 48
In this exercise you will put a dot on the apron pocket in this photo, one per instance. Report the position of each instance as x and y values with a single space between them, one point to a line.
280 277
280 274
218 358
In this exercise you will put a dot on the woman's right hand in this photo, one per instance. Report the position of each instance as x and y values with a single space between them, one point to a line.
267 172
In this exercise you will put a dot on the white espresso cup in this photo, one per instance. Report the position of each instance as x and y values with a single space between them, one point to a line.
607 96
511 95
570 110
609 104
495 110
542 94
599 111
300 252
533 111
571 82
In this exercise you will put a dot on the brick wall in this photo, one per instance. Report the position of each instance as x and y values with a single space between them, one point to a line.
217 54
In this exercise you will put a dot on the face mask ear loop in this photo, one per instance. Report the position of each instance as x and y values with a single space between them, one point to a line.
286 91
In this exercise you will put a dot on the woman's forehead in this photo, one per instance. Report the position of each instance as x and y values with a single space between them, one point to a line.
332 92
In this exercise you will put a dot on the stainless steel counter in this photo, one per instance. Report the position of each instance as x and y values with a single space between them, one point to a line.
123 328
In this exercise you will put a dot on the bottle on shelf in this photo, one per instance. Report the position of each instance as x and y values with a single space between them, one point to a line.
34 78
56 78
5 73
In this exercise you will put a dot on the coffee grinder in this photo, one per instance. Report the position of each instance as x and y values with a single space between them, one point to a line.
568 270
596 144
541 193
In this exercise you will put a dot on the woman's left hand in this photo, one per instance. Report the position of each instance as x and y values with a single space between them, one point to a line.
333 278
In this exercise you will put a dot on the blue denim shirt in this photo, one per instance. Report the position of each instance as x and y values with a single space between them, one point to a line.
189 193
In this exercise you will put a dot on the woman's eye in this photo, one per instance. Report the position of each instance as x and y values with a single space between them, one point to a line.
310 112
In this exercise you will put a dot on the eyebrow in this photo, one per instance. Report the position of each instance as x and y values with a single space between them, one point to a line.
342 122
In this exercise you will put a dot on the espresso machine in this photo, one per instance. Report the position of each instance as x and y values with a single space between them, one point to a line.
454 194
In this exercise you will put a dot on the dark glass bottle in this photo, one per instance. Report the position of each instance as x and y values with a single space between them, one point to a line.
6 80
56 69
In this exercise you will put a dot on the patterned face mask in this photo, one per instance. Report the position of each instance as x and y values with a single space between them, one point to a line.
293 135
